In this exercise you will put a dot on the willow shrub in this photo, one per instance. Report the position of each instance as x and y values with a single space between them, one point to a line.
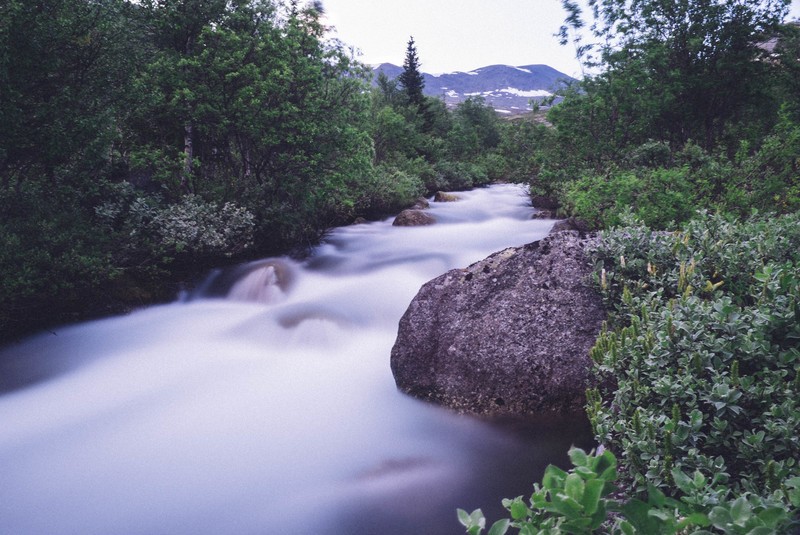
659 197
586 500
700 365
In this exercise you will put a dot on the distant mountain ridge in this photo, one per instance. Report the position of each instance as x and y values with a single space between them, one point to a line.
509 89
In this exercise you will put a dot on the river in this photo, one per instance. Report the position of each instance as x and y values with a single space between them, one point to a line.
265 403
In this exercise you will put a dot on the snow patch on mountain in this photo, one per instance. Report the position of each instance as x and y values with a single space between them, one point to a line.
504 87
530 94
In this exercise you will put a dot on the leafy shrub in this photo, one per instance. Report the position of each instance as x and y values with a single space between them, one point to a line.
191 227
579 502
772 174
456 175
659 197
653 154
700 367
391 189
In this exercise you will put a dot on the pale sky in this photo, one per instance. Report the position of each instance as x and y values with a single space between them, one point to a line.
458 35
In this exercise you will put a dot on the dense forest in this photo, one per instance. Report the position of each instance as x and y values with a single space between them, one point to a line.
146 142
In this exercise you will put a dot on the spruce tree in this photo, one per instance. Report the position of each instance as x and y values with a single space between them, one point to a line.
411 78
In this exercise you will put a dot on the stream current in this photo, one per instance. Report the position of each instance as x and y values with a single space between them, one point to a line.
265 404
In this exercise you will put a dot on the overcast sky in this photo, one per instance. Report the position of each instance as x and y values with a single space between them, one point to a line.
458 35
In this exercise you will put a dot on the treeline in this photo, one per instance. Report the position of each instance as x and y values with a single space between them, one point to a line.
145 141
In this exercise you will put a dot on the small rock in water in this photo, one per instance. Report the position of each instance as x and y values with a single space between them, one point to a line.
413 218
445 197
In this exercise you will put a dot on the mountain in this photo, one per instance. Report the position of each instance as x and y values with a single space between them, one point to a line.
507 88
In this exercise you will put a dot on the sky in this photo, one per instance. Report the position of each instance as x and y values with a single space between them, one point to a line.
458 35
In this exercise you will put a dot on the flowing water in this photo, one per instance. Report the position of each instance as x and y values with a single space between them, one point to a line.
266 404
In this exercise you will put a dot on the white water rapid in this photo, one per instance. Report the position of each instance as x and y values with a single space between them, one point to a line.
271 409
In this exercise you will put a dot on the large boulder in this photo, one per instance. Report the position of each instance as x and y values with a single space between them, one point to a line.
509 335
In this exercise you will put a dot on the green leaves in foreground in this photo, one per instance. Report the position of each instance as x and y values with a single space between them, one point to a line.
578 502
566 502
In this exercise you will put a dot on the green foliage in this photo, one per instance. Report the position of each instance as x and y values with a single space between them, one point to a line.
153 231
700 363
476 128
673 79
390 190
679 71
411 78
771 175
659 197
586 500
167 136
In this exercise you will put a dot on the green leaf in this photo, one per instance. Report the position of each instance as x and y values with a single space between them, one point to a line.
637 513
720 518
627 528
500 527
694 519
682 481
761 530
741 511
518 510
464 518
573 487
592 493
696 420
566 506
771 516
578 457
605 465
659 514
655 496
584 472
699 479
553 478
477 518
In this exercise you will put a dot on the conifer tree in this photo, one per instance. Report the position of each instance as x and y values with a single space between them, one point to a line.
411 79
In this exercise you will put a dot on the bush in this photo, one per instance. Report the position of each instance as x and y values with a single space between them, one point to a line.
155 232
659 197
772 174
700 366
390 190
579 502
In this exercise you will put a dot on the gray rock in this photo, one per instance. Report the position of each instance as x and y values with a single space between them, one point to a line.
509 335
544 214
571 223
421 204
413 218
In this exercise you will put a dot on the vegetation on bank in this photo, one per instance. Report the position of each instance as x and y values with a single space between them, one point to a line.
144 142
699 375
685 148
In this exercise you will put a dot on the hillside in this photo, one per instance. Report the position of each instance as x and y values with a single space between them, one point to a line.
507 88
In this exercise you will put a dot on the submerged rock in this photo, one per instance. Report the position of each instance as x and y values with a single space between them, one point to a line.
445 197
509 335
413 218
